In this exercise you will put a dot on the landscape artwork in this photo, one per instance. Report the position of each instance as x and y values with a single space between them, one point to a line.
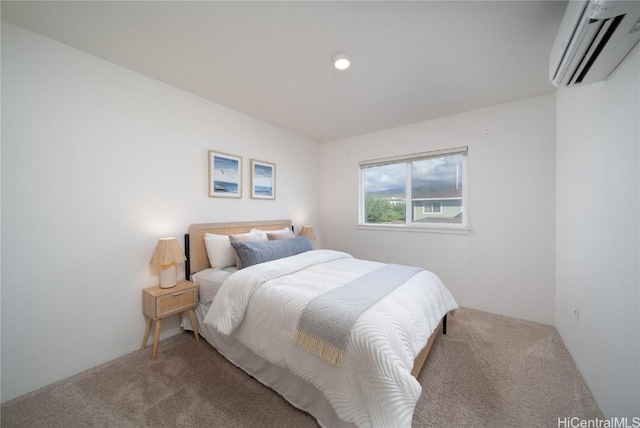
263 180
225 175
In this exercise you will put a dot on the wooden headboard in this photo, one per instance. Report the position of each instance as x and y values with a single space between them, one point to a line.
196 252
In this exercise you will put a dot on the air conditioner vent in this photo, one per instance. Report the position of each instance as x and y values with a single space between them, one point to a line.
606 27
593 39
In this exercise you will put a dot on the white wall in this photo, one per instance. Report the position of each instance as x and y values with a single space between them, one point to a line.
506 264
598 235
98 162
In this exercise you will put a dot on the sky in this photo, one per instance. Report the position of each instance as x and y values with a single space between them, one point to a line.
434 173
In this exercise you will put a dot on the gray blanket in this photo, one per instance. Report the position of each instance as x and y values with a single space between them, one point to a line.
326 322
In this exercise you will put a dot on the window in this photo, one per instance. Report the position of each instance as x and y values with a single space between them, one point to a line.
420 190
432 207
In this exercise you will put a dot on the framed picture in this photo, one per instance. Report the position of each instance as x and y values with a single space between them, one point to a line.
263 180
225 175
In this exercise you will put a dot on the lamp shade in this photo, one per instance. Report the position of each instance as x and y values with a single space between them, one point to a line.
167 251
308 231
167 254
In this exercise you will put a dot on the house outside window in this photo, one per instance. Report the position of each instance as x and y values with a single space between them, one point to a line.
420 190
428 207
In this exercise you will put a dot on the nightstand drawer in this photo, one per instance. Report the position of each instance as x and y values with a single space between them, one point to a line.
176 302
161 302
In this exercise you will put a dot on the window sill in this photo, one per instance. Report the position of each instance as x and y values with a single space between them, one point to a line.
453 230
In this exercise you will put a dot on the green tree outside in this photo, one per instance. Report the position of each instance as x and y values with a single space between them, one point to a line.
381 210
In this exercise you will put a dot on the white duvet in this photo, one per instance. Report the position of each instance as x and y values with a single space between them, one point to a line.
260 306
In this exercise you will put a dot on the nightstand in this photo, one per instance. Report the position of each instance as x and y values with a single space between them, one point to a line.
158 303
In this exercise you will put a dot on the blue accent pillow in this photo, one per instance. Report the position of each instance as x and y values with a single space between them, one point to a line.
255 252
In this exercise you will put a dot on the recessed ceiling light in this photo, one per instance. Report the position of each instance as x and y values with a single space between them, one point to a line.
341 62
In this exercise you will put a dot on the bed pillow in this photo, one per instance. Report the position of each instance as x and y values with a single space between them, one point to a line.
259 232
284 229
274 236
255 252
253 236
219 250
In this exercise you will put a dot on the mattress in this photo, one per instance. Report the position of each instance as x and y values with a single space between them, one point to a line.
209 282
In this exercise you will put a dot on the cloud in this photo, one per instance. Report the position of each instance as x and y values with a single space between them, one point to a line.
433 173
385 177
437 173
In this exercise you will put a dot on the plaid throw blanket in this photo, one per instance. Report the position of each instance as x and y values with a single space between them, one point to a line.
327 320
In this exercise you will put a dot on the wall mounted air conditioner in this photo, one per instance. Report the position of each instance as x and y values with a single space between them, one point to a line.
593 39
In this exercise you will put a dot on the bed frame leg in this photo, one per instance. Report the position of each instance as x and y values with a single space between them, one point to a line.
444 324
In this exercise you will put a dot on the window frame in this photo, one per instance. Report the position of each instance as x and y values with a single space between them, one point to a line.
410 225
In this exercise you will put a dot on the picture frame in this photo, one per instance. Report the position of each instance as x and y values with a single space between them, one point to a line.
263 179
225 175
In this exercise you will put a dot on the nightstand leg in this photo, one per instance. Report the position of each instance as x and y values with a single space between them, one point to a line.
156 338
146 334
194 325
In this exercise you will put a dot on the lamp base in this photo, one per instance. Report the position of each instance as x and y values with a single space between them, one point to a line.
168 276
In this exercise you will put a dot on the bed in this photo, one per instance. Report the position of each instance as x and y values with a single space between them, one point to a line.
249 315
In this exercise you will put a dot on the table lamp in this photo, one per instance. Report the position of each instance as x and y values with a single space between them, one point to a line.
308 231
167 254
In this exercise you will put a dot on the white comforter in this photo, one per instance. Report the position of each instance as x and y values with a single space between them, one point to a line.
260 306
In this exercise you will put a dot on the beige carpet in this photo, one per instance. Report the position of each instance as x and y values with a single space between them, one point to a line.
488 371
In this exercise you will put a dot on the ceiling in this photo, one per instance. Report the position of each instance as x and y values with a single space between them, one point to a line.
411 61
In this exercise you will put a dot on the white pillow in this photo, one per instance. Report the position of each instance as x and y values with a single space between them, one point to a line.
283 230
219 250
260 233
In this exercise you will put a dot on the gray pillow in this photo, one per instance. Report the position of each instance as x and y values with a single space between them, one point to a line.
274 236
253 253
254 235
